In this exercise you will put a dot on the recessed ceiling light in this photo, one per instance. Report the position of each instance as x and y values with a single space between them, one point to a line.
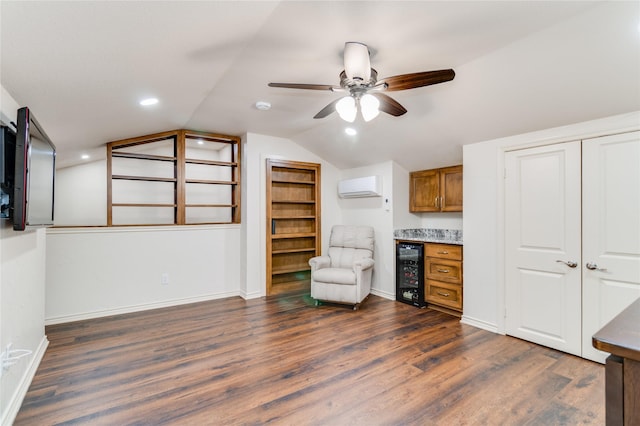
350 131
149 101
263 105
85 156
200 142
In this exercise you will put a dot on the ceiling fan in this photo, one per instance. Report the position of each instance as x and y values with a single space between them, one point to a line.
363 88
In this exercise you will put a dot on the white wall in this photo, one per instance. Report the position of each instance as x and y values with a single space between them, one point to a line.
22 295
402 218
93 272
256 149
445 220
81 195
483 219
371 211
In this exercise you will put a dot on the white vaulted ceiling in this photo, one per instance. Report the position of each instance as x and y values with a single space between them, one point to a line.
83 66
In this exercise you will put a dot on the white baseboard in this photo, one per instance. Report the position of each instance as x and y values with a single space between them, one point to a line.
386 295
137 308
11 411
479 324
253 295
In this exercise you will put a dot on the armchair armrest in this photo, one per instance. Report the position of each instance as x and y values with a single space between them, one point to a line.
319 262
363 264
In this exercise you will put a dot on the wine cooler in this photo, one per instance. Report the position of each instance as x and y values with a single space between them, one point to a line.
410 273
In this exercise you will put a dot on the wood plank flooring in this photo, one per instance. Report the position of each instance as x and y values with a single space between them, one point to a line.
281 360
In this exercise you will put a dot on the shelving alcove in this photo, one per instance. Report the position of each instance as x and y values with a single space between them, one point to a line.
180 177
293 223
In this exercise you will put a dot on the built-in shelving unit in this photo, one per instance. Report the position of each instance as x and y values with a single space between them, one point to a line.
180 177
293 218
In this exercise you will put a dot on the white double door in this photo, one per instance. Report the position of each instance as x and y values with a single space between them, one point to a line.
572 239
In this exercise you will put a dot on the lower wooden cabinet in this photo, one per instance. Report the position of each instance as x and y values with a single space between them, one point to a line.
443 277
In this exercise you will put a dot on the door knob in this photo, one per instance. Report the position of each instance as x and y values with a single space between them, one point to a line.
592 266
570 263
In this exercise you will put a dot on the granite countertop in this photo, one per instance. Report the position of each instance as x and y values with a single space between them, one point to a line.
446 236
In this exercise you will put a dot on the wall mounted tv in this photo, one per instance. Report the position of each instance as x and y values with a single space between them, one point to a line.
32 195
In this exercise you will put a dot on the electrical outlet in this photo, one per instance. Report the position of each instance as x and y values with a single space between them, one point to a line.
164 279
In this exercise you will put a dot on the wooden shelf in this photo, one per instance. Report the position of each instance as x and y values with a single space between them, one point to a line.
211 182
211 205
294 202
298 235
292 217
142 156
301 250
290 269
143 178
142 205
210 162
293 181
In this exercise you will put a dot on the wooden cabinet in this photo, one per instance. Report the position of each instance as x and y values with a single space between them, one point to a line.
293 219
437 190
443 277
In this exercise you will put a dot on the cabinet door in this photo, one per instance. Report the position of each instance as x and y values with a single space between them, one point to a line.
451 189
424 191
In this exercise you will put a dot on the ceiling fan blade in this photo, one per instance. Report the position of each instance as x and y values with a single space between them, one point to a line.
389 105
327 110
303 86
417 79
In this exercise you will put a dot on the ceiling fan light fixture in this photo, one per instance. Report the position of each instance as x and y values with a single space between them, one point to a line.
356 61
346 109
369 106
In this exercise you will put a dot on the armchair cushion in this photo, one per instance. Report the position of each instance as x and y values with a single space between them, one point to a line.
335 276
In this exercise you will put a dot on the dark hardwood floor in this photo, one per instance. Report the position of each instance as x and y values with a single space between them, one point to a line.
281 360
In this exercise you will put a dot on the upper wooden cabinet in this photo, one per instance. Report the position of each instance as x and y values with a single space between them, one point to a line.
437 190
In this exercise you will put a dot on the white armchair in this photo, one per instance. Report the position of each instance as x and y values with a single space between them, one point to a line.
344 276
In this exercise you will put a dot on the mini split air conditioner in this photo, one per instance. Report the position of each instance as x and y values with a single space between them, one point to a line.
360 187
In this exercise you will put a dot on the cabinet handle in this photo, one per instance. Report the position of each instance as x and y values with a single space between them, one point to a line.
444 271
436 201
441 202
443 294
443 252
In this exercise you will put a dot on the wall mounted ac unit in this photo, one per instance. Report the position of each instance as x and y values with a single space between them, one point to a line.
360 187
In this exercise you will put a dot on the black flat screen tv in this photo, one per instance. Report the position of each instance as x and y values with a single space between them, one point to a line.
34 176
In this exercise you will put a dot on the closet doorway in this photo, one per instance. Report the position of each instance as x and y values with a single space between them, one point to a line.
572 239
293 224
